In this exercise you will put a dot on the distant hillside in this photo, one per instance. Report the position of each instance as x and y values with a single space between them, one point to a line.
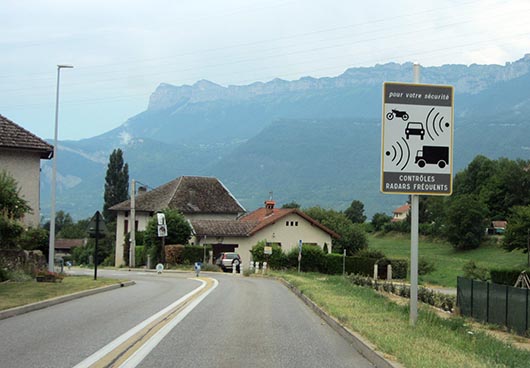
316 141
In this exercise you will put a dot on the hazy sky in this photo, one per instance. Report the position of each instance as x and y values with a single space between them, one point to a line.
123 49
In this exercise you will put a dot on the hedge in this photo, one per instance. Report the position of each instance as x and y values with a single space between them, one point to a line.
506 276
189 254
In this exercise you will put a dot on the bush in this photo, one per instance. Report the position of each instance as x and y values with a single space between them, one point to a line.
4 274
194 253
399 268
506 276
472 271
180 254
312 258
140 256
425 266
277 260
370 253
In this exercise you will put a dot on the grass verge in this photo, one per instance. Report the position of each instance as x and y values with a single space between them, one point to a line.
449 262
15 294
434 341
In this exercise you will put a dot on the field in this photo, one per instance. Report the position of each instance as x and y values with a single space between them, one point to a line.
448 262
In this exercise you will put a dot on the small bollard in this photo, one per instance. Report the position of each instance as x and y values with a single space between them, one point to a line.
251 265
375 271
256 267
389 273
264 268
241 269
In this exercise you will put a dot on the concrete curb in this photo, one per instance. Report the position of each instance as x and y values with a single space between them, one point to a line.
363 347
60 299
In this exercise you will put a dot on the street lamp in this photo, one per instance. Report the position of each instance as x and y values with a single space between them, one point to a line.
51 253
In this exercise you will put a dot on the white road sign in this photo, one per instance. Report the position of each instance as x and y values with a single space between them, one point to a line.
417 139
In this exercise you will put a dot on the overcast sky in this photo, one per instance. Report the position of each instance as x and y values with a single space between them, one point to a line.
123 49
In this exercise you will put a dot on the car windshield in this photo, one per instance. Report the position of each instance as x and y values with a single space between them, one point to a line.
231 255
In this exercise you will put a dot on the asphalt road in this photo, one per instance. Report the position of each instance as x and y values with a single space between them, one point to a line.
243 322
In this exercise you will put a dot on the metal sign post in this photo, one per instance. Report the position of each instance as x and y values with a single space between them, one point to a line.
96 229
162 233
417 152
299 254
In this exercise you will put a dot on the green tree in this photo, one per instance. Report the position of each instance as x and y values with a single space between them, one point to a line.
12 205
12 208
291 204
76 230
466 221
518 229
116 183
178 232
356 212
352 236
379 220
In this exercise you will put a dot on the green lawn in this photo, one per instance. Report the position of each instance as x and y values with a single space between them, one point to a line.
14 294
448 261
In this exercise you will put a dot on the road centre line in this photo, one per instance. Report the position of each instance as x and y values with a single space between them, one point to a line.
129 349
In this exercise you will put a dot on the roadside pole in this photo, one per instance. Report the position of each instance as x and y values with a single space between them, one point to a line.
132 242
414 225
344 263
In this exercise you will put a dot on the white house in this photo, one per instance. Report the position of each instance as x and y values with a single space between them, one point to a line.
400 213
196 197
20 155
282 226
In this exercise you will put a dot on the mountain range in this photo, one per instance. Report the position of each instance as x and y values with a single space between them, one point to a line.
316 141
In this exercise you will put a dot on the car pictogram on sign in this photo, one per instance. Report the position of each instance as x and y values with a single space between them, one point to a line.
415 128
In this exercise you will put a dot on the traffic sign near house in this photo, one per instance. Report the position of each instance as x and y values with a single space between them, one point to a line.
417 139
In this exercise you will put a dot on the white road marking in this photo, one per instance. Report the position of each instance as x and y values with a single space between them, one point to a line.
125 336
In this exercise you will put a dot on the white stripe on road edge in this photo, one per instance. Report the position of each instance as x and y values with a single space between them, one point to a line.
124 337
146 348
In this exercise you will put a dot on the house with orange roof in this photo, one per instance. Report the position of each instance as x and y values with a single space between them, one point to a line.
282 226
400 213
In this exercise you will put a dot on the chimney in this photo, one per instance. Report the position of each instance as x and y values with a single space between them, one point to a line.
269 206
142 189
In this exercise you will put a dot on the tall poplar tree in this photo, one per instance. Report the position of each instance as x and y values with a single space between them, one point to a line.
116 183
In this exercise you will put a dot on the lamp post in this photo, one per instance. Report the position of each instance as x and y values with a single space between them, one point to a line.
51 253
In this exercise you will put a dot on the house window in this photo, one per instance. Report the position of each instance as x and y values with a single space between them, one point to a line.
125 226
296 223
292 223
286 223
135 225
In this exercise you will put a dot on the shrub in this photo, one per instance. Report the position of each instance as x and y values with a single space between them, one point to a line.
277 260
140 256
312 258
506 276
425 266
4 274
370 253
194 253
399 268
472 271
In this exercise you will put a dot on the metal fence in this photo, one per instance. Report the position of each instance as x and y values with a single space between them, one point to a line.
493 303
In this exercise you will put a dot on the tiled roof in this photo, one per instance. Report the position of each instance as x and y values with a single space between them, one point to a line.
264 217
499 224
403 209
188 194
69 243
13 136
222 227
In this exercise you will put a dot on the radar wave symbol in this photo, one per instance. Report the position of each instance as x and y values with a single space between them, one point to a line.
400 153
433 121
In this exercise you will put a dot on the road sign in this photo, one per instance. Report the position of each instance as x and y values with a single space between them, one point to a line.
417 139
